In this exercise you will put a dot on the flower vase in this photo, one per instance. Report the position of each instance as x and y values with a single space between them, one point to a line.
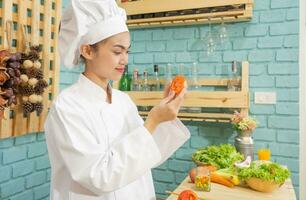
244 144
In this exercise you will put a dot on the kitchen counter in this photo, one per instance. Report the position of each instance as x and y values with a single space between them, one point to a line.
220 192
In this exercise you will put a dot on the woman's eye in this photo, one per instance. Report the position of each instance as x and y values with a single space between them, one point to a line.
117 52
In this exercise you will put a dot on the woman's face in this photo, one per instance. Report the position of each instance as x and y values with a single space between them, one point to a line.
110 57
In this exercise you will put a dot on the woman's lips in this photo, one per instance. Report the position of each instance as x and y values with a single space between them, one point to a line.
120 69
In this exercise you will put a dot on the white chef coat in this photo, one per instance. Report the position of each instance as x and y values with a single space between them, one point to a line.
102 151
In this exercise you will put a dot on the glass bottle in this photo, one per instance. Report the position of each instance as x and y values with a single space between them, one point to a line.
181 72
125 81
168 74
145 87
193 77
135 83
233 78
145 83
155 86
194 85
140 81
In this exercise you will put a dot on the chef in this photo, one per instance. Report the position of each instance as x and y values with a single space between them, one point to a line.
99 147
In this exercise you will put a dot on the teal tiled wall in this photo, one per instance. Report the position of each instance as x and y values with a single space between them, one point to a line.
269 42
24 168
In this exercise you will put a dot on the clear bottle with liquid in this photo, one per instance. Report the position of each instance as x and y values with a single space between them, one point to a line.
168 74
234 78
155 85
145 83
145 87
135 83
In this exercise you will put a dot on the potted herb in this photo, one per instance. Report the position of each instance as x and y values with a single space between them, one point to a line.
244 126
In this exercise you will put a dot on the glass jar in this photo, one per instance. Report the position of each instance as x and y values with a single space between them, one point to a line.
202 179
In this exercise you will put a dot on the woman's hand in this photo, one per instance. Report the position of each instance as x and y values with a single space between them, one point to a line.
166 110
167 90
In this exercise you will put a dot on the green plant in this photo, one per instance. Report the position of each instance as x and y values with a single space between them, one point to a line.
222 156
243 123
268 171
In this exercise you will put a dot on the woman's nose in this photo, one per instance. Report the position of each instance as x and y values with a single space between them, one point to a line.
124 59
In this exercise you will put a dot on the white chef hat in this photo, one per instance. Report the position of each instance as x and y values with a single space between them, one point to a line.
88 22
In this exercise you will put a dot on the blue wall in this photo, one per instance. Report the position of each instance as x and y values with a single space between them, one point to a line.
269 42
24 168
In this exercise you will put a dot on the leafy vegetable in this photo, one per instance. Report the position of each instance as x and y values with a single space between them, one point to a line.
268 171
222 156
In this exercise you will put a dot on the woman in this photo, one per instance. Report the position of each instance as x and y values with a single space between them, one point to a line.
99 147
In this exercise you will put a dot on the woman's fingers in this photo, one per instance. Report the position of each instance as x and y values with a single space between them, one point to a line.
168 108
168 98
177 102
167 90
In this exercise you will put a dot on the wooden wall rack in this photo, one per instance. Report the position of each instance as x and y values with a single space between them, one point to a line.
42 17
231 100
154 13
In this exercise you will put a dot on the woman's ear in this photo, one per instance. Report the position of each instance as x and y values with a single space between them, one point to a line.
87 51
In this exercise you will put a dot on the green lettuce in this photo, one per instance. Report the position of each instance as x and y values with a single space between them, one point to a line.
222 156
268 171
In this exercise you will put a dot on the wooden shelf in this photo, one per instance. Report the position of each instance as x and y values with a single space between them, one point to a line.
150 13
230 100
208 99
206 117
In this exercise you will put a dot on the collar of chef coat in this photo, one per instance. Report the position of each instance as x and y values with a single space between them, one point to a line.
94 91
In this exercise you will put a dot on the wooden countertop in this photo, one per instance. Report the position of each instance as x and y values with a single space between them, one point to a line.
220 192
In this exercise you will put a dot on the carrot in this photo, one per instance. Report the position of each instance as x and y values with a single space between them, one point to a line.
178 83
220 180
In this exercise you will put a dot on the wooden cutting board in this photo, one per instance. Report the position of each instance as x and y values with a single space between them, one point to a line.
220 192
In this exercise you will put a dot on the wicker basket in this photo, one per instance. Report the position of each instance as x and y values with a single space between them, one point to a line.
261 185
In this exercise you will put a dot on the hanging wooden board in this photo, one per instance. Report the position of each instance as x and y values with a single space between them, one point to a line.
42 17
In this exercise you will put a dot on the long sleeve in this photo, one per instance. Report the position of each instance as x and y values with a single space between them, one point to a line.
169 136
93 165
